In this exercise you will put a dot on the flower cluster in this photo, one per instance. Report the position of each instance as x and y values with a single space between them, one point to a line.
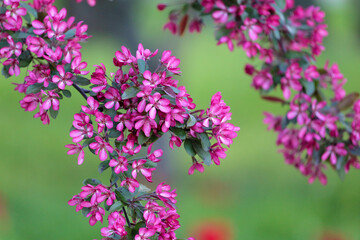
127 110
286 39
39 38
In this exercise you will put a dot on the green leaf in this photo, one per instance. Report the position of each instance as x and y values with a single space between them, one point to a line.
280 3
21 35
103 166
355 151
340 167
2 10
5 71
142 189
180 132
29 9
142 65
35 88
70 34
87 141
81 81
142 138
66 93
188 145
53 113
309 87
123 195
91 181
113 133
85 211
204 155
130 93
116 206
205 141
25 59
191 121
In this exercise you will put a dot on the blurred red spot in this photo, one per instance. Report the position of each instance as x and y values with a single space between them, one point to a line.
331 236
213 230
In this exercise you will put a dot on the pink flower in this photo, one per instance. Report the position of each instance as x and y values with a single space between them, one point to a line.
196 166
170 62
332 150
101 147
145 234
64 78
75 149
129 148
124 56
131 184
93 106
13 48
51 99
120 164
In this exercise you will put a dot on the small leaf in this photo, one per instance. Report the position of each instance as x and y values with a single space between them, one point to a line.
204 155
5 71
21 35
81 81
35 88
53 113
142 138
205 141
348 101
116 206
123 195
355 151
280 3
87 141
180 132
25 59
130 93
340 167
309 87
191 121
273 99
29 9
66 93
113 133
70 34
91 181
189 147
103 166
85 211
142 65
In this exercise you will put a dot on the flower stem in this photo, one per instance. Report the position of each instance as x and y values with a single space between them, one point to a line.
81 91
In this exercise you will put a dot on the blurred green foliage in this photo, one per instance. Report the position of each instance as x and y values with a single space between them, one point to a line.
253 189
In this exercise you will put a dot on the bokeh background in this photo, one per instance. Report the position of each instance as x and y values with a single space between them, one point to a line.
252 195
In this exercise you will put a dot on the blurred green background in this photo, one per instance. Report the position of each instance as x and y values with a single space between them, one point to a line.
253 194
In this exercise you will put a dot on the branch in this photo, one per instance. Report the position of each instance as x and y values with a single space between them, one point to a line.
81 91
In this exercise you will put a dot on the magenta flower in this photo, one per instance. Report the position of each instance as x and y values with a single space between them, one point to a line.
170 62
64 79
138 166
93 106
119 164
76 149
51 99
196 166
13 48
101 147
145 234
124 56
332 151
129 148
131 184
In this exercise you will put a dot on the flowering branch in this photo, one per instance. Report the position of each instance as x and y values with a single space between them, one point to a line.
287 39
127 109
